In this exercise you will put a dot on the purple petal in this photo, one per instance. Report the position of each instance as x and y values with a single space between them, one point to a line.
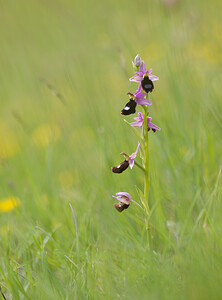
131 163
139 94
136 124
137 119
135 78
142 101
124 194
140 88
137 149
149 72
133 155
140 116
122 199
139 73
153 77
143 67
151 125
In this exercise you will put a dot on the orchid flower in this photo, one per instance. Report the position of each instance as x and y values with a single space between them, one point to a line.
124 201
139 123
129 161
136 98
145 78
139 98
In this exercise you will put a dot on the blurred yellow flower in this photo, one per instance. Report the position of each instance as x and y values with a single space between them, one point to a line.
7 204
45 134
8 142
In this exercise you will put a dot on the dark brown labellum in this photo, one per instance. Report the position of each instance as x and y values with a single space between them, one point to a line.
121 167
147 84
154 130
130 108
120 206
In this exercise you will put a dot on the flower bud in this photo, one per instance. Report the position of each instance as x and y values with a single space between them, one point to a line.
136 62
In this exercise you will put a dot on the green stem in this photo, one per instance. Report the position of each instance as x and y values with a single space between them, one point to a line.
146 177
146 159
139 165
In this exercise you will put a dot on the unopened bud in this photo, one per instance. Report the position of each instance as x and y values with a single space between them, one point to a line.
136 62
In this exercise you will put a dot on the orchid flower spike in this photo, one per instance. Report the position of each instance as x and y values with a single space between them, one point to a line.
136 98
129 161
124 201
139 123
145 78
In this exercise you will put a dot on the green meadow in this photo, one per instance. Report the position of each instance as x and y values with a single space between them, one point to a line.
64 74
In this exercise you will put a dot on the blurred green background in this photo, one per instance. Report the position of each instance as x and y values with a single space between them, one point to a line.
63 82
